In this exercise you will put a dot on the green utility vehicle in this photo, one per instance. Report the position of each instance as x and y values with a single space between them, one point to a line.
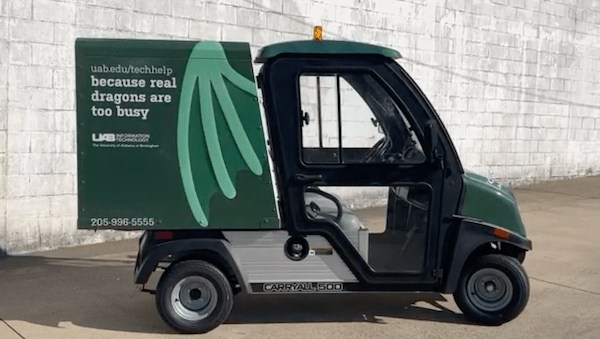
346 182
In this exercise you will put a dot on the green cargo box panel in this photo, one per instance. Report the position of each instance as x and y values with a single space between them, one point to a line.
169 136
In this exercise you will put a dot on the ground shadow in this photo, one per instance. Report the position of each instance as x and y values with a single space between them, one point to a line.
100 294
343 307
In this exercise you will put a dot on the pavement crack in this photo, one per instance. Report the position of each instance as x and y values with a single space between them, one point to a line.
565 286
19 334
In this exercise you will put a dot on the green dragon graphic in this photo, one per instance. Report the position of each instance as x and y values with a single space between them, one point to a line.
206 69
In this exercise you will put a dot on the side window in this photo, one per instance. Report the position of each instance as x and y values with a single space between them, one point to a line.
320 124
350 118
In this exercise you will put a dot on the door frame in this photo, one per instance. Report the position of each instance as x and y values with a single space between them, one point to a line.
280 85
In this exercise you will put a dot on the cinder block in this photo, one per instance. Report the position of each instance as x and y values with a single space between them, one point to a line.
25 120
220 13
42 98
53 11
19 9
323 12
28 76
4 61
531 30
118 4
237 33
19 53
99 17
124 21
27 208
22 234
170 26
190 9
19 142
64 121
17 186
53 55
269 5
205 30
31 31
64 163
581 135
64 34
64 99
3 142
36 163
63 206
521 158
4 33
144 23
65 184
262 37
43 142
517 3
65 142
238 3
508 133
154 6
251 18
63 78
297 8
43 184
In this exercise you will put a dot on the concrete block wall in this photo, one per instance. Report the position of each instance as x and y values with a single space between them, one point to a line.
516 82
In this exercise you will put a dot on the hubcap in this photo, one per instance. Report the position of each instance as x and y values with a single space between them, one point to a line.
489 289
194 298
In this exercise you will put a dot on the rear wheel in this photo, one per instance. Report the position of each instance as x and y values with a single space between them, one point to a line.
194 296
494 290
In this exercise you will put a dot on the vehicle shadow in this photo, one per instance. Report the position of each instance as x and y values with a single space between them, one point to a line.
343 307
100 294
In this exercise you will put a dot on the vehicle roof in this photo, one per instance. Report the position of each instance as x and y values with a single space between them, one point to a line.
323 47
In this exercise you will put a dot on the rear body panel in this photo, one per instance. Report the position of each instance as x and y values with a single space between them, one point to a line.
170 137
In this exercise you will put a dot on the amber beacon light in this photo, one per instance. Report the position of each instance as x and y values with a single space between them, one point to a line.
318 33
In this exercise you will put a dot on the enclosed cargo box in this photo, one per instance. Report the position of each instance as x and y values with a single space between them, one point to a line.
170 136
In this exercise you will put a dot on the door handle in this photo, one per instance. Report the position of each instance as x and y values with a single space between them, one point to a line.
308 178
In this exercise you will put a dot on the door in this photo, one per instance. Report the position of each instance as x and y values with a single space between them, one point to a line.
354 145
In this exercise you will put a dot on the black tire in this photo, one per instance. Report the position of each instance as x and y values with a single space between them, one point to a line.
194 297
494 290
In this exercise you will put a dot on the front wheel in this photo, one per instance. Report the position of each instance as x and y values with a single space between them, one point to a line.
494 290
194 296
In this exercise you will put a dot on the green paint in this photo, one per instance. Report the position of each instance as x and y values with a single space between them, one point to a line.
207 167
323 47
491 202
209 75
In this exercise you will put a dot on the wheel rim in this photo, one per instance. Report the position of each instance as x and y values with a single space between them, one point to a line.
489 289
194 298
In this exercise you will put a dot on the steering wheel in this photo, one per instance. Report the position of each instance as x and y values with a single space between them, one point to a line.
376 153
314 210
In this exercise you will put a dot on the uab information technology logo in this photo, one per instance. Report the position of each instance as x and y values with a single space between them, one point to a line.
121 137
104 137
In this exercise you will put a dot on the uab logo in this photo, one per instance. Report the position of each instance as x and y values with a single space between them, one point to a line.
106 137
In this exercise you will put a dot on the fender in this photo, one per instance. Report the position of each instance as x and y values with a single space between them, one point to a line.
149 258
472 234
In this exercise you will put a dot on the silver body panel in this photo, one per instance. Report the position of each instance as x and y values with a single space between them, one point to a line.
262 259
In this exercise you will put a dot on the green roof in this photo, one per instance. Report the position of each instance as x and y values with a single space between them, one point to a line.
323 47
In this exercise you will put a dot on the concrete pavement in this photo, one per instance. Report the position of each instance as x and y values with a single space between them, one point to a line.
87 292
